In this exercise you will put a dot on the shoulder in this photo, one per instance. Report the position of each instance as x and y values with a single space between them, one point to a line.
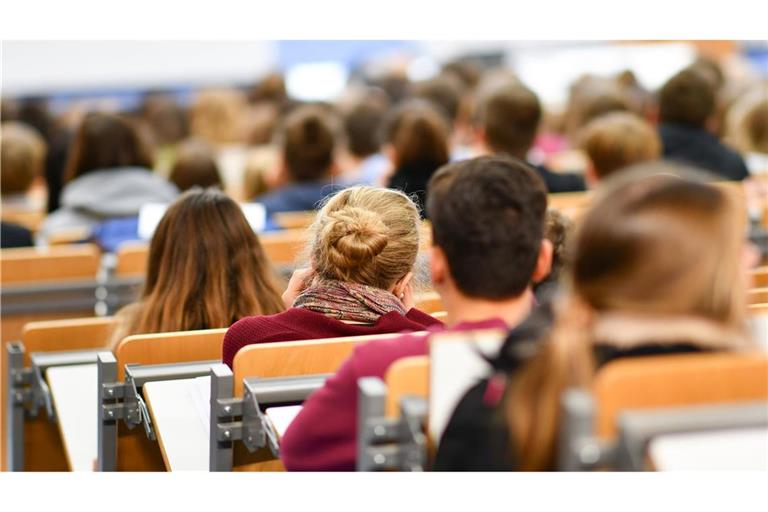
374 357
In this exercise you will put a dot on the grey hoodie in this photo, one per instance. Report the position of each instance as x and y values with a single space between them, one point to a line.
101 195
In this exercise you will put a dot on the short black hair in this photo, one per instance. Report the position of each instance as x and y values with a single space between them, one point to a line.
688 98
487 215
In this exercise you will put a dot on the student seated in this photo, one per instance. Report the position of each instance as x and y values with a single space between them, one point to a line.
195 166
23 158
308 142
206 269
416 141
659 267
487 222
506 122
108 176
364 164
363 249
687 104
615 141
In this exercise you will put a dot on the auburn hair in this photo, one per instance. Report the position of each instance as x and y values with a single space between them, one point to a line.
206 269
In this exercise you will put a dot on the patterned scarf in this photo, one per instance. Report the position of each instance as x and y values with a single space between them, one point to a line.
350 302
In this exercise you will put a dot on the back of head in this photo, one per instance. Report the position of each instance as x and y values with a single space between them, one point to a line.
106 141
617 140
23 156
418 134
308 138
592 97
661 245
487 216
165 118
366 235
688 98
444 92
509 114
217 116
362 124
756 126
206 267
195 167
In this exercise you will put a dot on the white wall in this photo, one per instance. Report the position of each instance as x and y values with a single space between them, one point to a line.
34 67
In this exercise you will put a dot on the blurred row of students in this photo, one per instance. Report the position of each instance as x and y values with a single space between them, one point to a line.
675 285
310 151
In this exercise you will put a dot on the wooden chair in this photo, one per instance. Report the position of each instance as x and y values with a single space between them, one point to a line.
661 381
132 259
43 450
26 268
757 295
283 247
134 451
286 359
429 302
407 376
295 220
760 277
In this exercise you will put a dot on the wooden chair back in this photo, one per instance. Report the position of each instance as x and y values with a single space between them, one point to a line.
38 265
135 452
757 295
283 247
407 376
295 220
690 379
286 359
132 259
759 277
429 302
169 347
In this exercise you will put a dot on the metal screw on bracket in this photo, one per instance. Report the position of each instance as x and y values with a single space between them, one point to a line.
111 392
227 434
227 409
379 459
379 431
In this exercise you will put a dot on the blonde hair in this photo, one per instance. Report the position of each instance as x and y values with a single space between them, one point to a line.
659 247
218 116
23 156
617 140
366 235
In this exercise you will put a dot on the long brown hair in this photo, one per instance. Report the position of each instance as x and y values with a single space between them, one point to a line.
660 246
206 269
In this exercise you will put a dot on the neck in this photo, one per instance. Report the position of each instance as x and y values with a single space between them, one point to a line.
460 308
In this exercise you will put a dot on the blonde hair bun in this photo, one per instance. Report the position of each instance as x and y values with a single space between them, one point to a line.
353 237
366 235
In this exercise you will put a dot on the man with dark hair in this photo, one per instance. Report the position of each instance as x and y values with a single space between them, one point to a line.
363 162
507 120
687 105
487 218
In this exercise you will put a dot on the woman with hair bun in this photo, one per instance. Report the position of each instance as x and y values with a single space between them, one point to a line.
363 248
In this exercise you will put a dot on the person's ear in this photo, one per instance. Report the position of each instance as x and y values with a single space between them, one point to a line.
438 265
400 286
544 262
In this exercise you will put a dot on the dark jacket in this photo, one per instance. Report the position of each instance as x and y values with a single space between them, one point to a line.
699 148
13 235
561 181
297 197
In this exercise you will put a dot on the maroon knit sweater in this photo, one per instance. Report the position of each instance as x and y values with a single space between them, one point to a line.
302 324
